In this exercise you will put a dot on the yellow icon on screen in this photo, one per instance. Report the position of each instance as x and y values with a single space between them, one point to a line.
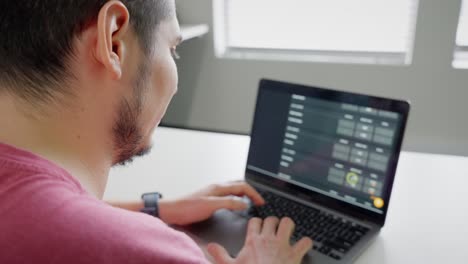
378 202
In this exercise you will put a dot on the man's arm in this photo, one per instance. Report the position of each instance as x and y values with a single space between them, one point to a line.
200 205
134 206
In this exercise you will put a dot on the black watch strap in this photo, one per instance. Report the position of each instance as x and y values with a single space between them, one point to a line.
150 201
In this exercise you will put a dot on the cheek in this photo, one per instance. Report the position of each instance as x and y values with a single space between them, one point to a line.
166 79
162 86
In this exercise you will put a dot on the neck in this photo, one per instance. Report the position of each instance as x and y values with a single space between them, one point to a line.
69 138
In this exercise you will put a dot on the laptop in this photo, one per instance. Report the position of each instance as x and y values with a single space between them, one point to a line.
325 158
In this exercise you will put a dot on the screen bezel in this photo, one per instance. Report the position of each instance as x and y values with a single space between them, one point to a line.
398 106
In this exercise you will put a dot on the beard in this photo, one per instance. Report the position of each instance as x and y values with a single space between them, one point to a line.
128 137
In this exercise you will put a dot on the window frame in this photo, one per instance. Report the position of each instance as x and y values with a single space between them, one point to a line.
460 57
222 50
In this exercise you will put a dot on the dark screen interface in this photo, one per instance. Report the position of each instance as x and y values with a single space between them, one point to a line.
337 149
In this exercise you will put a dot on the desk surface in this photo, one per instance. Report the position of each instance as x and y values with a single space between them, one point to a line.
427 220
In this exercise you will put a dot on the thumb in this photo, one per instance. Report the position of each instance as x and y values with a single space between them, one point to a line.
219 254
302 247
228 202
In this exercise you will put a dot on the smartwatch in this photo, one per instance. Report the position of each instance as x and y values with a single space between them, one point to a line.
150 201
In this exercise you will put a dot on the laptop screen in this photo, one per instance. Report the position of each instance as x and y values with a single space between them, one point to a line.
339 148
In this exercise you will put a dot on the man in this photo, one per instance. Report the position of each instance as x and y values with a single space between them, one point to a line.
83 84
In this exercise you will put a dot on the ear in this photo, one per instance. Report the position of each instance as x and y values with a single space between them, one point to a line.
112 27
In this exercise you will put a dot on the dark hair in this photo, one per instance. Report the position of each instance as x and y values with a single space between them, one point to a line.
36 40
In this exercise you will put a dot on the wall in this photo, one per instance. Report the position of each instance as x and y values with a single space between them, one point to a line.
219 94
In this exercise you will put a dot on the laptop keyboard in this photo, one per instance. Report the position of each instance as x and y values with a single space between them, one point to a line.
332 235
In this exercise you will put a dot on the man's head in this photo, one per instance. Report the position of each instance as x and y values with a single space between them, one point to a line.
112 58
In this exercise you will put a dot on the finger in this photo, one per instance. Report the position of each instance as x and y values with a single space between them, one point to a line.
219 254
253 194
239 189
303 246
285 228
254 227
270 224
230 203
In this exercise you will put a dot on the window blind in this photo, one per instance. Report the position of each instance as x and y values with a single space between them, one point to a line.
381 26
462 33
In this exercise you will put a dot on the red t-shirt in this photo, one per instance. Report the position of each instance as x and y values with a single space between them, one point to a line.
47 217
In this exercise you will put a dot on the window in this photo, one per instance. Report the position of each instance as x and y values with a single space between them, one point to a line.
363 31
461 50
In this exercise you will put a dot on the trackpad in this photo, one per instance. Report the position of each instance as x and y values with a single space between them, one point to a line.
225 228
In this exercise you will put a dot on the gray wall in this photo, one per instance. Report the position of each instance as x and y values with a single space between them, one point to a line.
219 94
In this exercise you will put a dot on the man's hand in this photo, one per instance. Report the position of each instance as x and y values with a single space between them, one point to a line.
266 242
201 205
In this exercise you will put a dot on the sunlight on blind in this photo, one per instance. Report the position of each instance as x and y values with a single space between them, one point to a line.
321 25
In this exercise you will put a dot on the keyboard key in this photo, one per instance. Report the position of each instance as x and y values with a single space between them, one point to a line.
335 256
325 250
338 244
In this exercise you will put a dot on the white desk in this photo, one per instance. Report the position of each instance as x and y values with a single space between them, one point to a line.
427 220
